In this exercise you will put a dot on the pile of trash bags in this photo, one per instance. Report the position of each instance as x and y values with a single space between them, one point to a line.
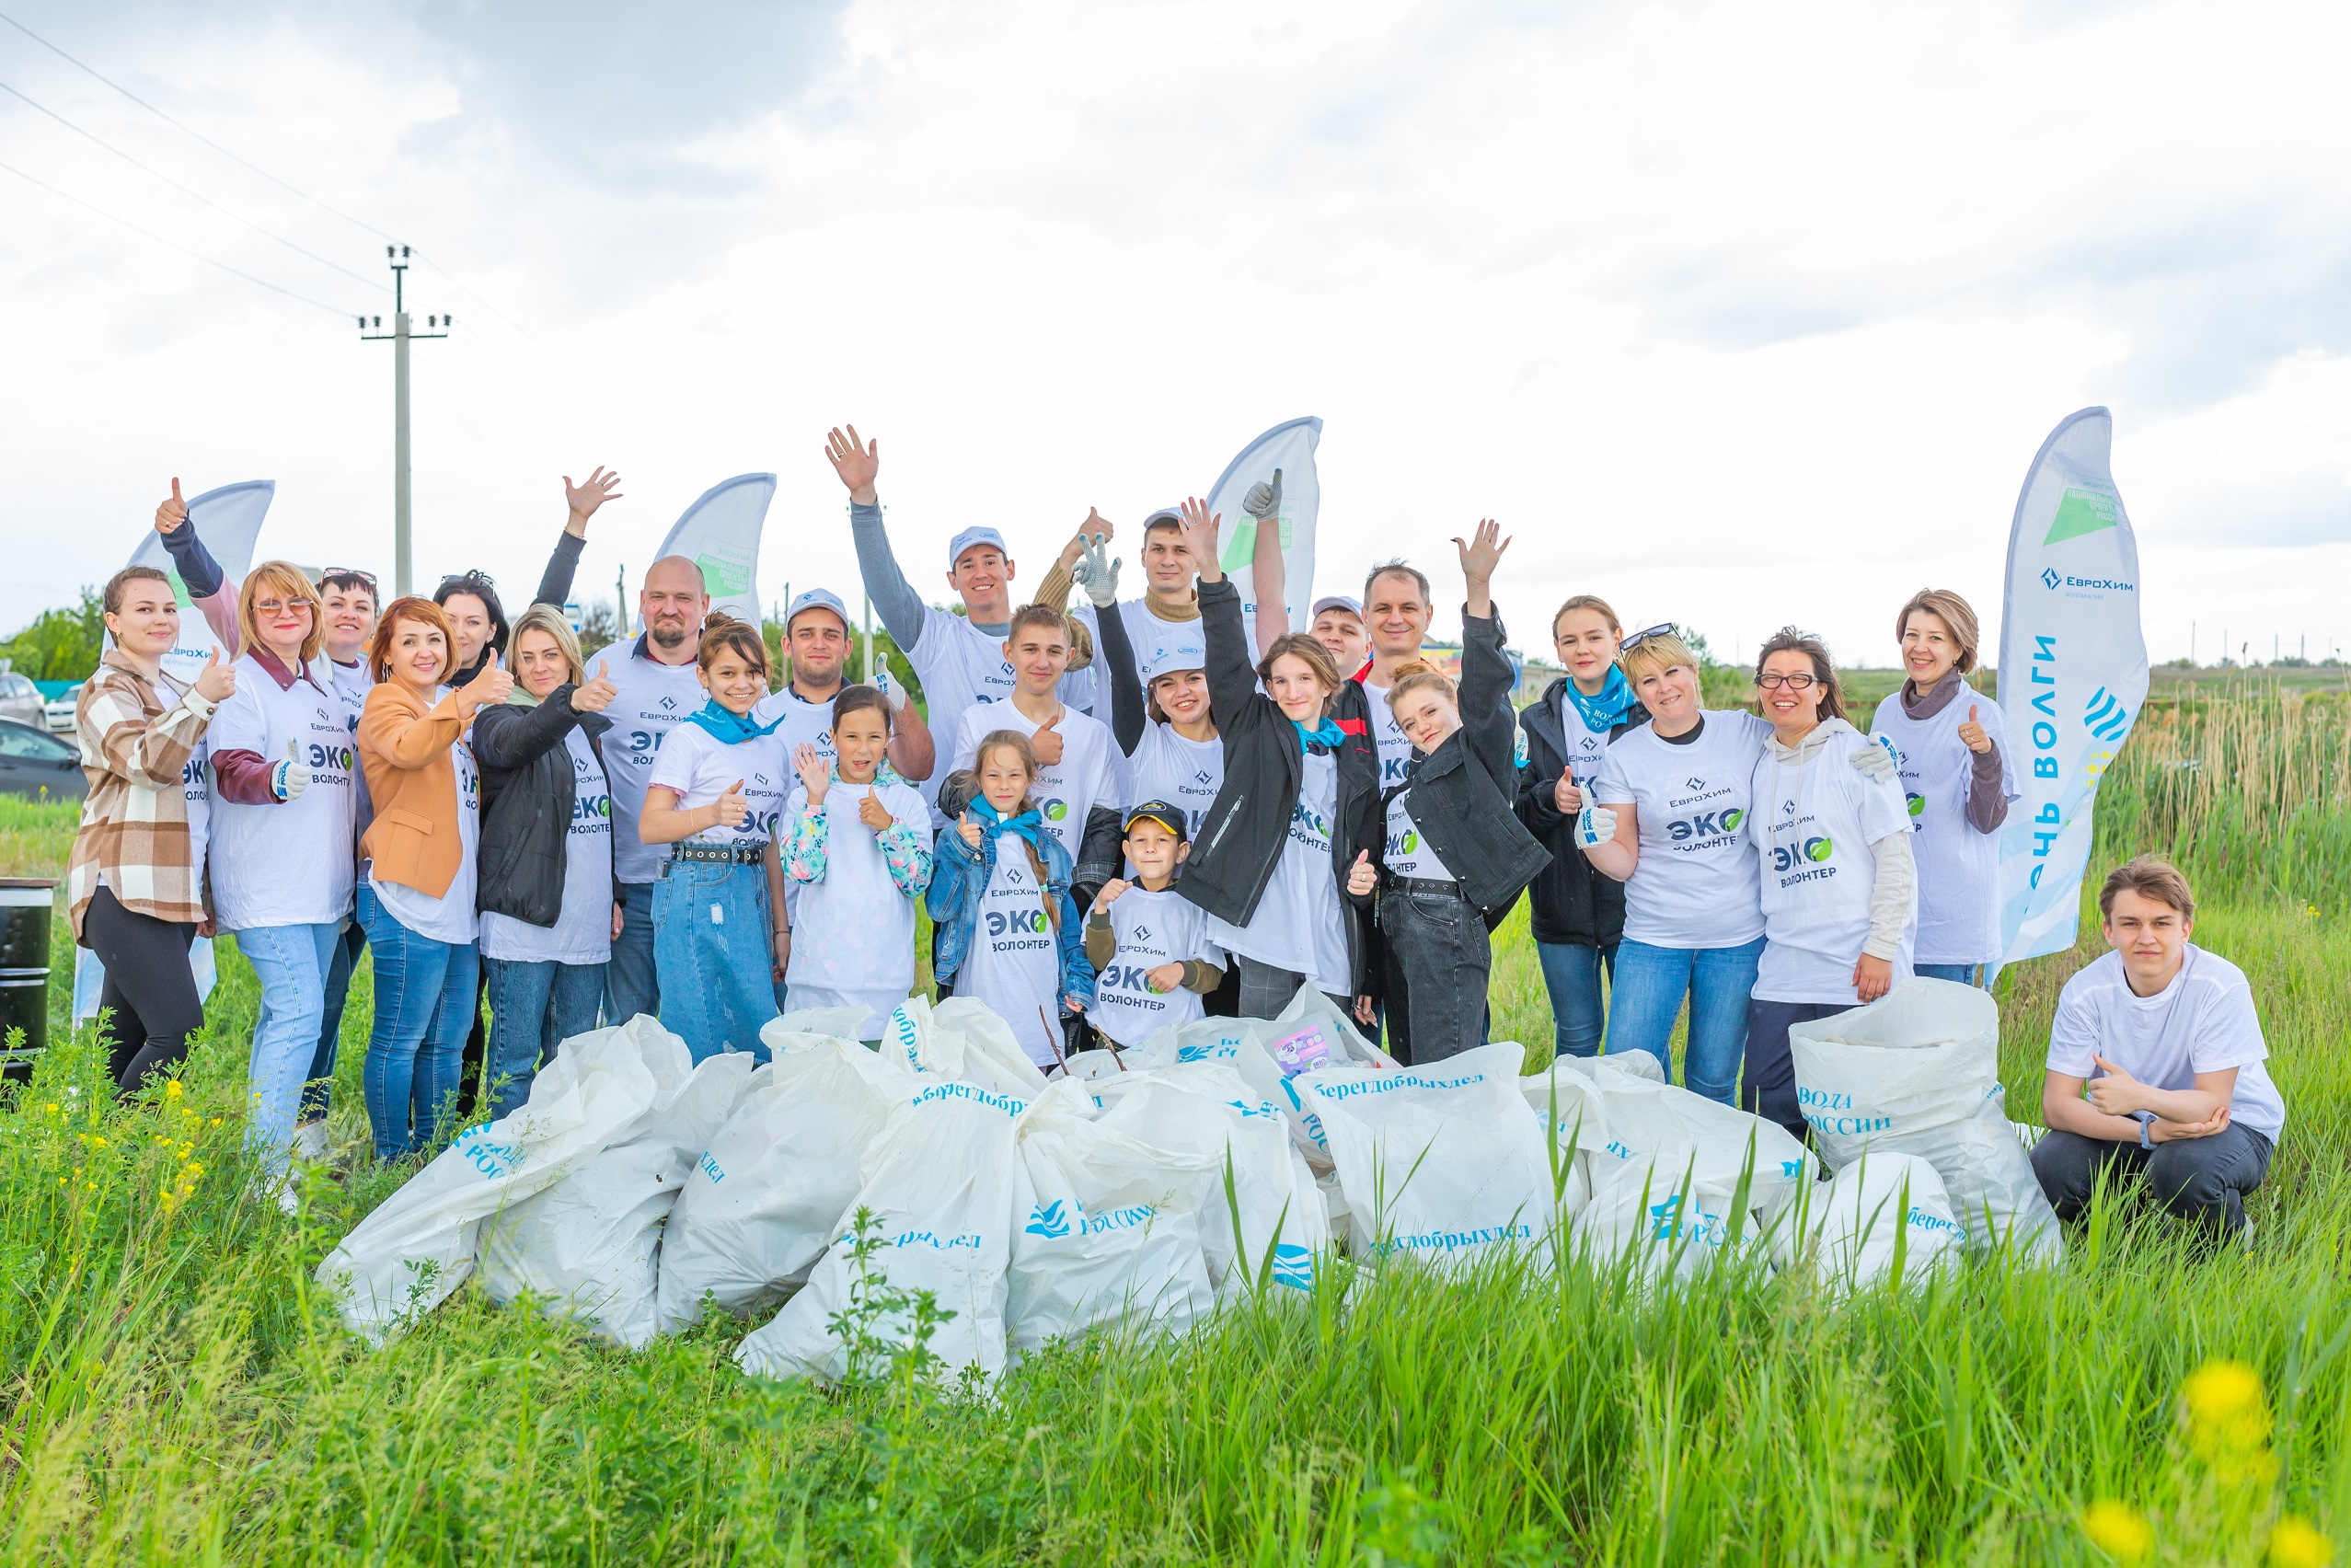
633 1192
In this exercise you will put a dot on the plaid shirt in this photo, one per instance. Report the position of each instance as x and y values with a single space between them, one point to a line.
135 823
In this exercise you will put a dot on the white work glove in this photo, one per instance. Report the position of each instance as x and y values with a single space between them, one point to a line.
1876 761
1263 501
1595 826
894 694
1097 574
289 778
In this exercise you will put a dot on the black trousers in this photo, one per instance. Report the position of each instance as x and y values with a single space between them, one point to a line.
1437 943
150 990
2203 1180
1767 1077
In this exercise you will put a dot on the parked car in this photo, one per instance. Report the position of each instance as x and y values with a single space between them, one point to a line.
20 699
57 713
33 762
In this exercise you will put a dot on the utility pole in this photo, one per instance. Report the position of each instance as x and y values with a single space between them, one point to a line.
396 257
620 597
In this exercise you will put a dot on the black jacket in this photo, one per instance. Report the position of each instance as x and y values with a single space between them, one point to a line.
527 804
1462 795
1241 839
1570 902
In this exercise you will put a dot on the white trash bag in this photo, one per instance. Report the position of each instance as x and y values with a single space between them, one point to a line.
766 1196
963 1040
1309 1033
1671 1223
1444 1163
590 1244
1645 1122
418 1246
1634 1064
1851 1230
941 1191
837 1023
1108 1226
1918 1072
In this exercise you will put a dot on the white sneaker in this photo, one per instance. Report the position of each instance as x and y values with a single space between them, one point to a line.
290 1194
310 1142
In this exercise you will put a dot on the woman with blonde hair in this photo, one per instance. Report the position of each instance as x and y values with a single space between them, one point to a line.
282 820
1668 817
1957 783
417 897
545 855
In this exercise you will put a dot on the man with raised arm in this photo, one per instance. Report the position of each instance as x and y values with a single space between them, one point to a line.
818 644
654 689
1163 626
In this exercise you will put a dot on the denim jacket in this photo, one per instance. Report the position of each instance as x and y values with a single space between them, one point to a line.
960 875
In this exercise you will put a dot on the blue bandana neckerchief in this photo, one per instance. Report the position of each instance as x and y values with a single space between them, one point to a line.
1027 824
1325 735
731 728
1604 711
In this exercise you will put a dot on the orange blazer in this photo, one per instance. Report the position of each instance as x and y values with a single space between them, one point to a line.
404 751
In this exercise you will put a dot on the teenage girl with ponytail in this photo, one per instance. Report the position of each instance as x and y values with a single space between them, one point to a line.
1005 929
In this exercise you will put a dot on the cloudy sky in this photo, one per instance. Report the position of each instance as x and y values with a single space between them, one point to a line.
1735 315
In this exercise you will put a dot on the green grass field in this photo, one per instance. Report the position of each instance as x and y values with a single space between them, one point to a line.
174 1390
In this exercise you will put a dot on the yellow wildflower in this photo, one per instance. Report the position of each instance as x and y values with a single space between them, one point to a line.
2118 1529
2226 1411
172 1091
2297 1543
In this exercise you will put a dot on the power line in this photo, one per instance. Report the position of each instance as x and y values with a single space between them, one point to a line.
185 191
159 239
167 120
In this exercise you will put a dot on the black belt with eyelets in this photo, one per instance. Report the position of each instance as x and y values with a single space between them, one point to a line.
1423 884
718 854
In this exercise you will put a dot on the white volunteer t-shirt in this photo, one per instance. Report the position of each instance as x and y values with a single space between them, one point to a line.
1959 916
1152 929
1298 924
651 698
2204 1021
1159 645
1813 829
583 930
351 683
195 780
1695 885
1086 777
1395 749
288 863
853 935
1014 963
959 667
451 917
701 767
1408 854
1166 766
800 723
1586 748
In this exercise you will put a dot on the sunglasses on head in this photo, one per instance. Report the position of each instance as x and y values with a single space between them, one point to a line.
1638 638
350 573
467 580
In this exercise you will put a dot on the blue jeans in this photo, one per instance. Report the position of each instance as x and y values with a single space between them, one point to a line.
424 993
1650 983
632 981
533 1007
710 945
1572 975
1965 974
290 963
348 947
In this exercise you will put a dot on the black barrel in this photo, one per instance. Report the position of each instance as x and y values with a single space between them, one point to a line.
25 907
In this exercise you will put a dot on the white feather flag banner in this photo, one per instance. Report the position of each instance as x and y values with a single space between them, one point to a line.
1288 446
719 532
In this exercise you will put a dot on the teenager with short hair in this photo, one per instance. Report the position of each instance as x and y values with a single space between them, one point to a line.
1456 856
417 897
1153 961
1833 847
1338 625
1162 627
860 854
135 885
283 826
1575 914
717 796
1004 927
349 596
2157 1065
1282 861
546 854
1957 781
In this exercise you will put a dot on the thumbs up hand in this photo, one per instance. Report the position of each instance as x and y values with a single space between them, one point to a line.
172 512
1361 878
217 680
1594 826
1046 743
732 807
2117 1093
1877 761
595 694
289 778
492 685
1972 733
970 829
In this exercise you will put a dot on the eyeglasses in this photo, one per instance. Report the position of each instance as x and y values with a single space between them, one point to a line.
1638 638
351 574
272 606
1793 683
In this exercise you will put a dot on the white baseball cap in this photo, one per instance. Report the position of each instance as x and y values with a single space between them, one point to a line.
1336 602
971 537
816 599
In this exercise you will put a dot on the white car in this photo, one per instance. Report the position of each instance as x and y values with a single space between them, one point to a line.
57 713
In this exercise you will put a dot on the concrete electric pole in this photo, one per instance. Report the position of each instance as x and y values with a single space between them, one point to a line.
396 257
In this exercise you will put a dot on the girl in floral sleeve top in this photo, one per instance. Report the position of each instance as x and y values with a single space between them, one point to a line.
860 852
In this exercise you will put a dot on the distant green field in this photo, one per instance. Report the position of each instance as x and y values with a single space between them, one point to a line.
175 1392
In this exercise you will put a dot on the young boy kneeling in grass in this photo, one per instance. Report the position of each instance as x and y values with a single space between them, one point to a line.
1149 948
2155 1063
